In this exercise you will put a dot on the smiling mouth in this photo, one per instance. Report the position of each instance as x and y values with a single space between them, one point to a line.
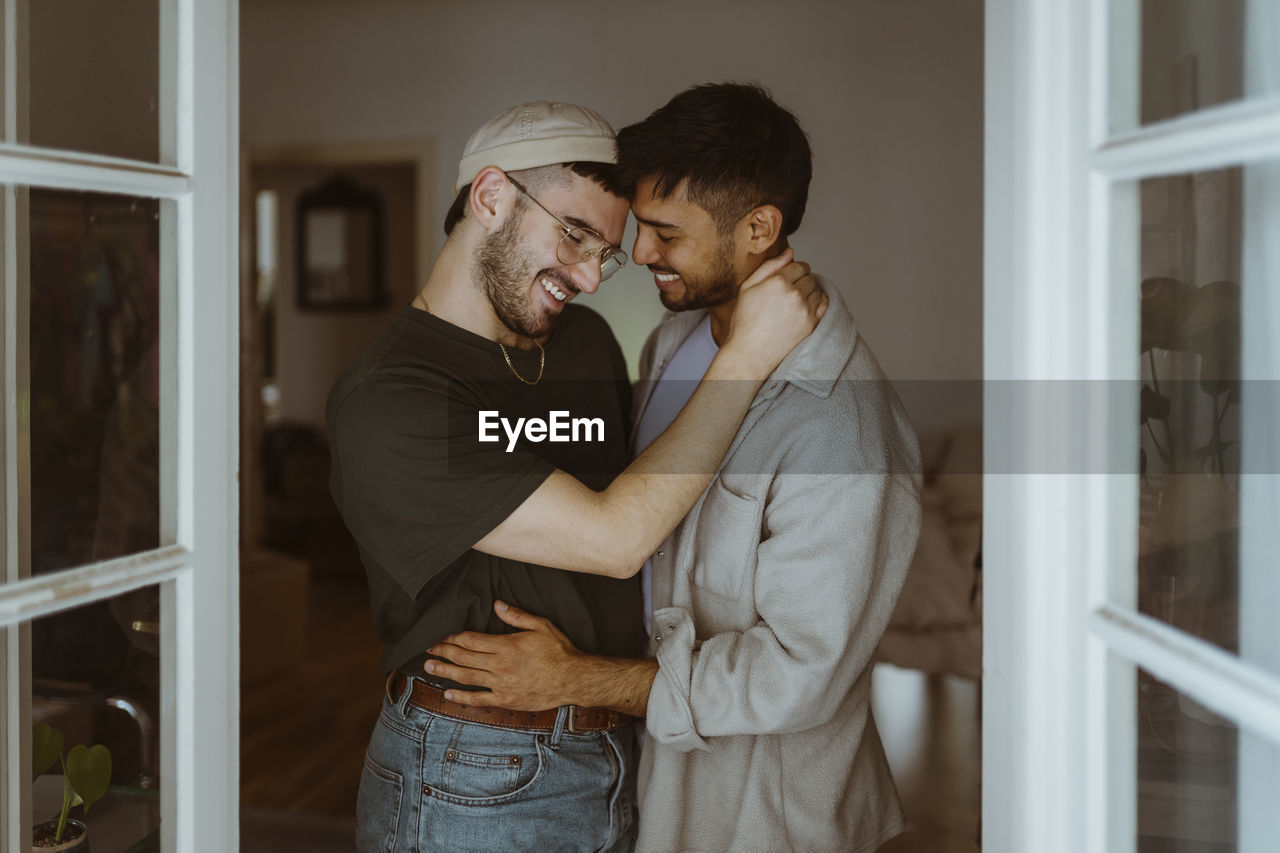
663 275
557 293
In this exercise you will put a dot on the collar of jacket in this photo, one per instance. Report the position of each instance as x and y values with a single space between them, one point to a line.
813 366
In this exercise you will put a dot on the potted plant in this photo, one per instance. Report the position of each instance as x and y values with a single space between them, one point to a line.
86 775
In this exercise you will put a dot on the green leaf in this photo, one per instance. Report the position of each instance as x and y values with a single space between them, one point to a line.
46 746
90 772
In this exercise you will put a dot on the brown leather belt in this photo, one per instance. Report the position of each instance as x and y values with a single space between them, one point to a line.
581 720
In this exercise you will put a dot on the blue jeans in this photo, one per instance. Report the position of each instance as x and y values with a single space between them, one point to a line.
433 783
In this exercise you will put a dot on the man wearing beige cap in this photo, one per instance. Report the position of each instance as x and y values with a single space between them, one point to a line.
451 472
769 598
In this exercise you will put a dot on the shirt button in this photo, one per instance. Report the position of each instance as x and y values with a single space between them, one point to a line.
658 638
660 553
773 385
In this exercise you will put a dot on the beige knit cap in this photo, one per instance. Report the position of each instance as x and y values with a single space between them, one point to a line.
537 134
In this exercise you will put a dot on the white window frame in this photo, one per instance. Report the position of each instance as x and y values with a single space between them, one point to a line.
197 566
1062 635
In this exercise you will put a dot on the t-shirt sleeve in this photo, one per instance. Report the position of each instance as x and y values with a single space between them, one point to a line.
414 485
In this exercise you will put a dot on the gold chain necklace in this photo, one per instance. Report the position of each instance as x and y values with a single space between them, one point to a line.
542 362
542 359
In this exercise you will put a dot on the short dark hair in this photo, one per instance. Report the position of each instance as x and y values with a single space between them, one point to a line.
737 147
603 174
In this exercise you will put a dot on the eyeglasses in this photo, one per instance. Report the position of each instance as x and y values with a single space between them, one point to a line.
581 244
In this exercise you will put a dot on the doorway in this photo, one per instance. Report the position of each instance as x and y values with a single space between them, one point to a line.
310 684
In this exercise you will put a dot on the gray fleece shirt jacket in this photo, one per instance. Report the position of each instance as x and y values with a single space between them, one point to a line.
769 601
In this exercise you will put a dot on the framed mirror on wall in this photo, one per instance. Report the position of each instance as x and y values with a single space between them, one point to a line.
340 248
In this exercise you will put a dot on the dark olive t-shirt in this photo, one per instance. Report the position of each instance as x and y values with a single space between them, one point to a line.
417 487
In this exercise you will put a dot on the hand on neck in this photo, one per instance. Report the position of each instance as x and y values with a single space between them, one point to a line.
720 314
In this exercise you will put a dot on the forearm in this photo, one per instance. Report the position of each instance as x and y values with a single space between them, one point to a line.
565 524
648 499
621 684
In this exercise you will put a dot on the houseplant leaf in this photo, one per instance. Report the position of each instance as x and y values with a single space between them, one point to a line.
46 746
1153 405
1219 375
89 770
1211 324
1165 301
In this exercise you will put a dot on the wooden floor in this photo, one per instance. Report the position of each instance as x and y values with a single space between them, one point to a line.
295 832
303 733
303 737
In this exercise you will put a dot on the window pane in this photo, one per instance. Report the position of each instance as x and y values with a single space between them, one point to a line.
94 76
1191 401
1194 54
94 377
95 678
1187 773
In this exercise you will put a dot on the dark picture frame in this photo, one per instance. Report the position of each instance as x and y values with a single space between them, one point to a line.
340 248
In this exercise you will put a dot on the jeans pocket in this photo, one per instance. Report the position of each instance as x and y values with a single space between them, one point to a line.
487 773
378 808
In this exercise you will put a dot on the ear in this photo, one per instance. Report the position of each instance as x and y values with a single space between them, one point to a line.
760 228
489 203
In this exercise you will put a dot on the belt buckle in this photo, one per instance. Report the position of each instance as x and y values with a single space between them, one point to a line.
613 719
572 723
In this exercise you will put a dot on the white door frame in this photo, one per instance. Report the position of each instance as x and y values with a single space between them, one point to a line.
1060 543
196 567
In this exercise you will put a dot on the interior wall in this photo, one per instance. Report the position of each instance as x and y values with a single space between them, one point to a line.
311 346
890 93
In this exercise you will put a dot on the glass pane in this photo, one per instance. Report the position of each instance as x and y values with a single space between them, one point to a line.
95 679
94 386
1188 773
4 82
1194 54
94 75
1189 518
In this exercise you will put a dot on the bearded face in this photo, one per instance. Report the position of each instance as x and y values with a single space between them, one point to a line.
507 273
706 285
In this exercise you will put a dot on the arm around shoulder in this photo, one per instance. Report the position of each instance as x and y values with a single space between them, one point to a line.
565 524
